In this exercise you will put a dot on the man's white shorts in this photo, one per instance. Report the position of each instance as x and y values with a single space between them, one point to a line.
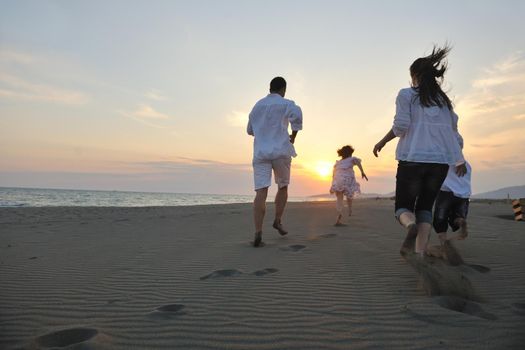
262 172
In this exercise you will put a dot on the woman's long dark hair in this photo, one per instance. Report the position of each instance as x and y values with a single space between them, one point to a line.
429 72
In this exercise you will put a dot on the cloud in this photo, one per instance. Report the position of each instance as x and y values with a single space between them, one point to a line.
147 112
13 87
156 95
501 87
146 115
237 119
491 119
496 99
185 164
9 56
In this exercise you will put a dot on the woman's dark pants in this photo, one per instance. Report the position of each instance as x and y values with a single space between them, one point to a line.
417 185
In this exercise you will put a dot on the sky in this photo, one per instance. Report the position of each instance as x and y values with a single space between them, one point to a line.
155 95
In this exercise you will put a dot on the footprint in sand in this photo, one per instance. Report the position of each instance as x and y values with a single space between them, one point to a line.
464 306
168 311
293 248
121 220
519 308
266 271
170 308
66 337
479 268
222 273
322 236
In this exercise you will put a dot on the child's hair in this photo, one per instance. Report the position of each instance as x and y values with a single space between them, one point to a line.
345 151
429 72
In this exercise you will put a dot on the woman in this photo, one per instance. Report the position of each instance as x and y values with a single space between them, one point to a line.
428 143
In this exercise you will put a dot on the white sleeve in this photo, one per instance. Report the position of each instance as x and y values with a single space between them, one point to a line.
455 128
402 117
295 116
249 128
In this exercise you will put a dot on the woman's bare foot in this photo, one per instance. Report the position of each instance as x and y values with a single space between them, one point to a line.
410 240
338 222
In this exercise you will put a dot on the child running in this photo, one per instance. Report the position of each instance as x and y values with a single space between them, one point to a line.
429 142
344 182
451 206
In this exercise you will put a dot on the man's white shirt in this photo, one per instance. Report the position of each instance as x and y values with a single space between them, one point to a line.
268 123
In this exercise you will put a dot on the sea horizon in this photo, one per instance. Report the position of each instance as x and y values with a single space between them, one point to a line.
43 197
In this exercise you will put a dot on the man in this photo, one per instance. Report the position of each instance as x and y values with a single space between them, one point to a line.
272 149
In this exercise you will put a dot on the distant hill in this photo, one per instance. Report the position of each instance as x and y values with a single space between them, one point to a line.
513 192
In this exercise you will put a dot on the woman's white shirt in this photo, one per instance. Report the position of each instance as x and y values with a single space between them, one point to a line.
426 134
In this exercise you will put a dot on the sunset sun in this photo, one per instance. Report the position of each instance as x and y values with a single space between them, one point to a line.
323 169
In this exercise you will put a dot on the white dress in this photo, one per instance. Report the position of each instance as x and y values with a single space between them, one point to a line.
343 178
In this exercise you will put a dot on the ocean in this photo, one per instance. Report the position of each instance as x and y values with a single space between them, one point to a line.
36 197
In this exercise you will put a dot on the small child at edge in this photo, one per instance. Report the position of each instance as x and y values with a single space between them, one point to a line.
344 182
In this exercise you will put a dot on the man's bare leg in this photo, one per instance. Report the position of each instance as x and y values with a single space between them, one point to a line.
259 209
280 203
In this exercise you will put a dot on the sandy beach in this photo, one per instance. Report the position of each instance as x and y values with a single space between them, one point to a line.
188 278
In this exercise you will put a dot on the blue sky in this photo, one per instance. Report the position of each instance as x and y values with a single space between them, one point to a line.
138 95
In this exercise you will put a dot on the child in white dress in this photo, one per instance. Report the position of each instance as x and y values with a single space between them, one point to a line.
344 182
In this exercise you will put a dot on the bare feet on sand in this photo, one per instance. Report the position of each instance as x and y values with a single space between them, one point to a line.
338 222
410 240
463 230
258 239
279 227
451 254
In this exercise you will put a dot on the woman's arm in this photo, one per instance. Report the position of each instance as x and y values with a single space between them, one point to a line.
388 137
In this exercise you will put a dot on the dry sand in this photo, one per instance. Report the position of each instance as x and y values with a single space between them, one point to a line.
188 278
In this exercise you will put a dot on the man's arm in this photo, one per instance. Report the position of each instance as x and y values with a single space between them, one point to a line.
296 120
293 135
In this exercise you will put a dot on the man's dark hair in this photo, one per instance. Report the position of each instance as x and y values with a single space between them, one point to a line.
277 84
